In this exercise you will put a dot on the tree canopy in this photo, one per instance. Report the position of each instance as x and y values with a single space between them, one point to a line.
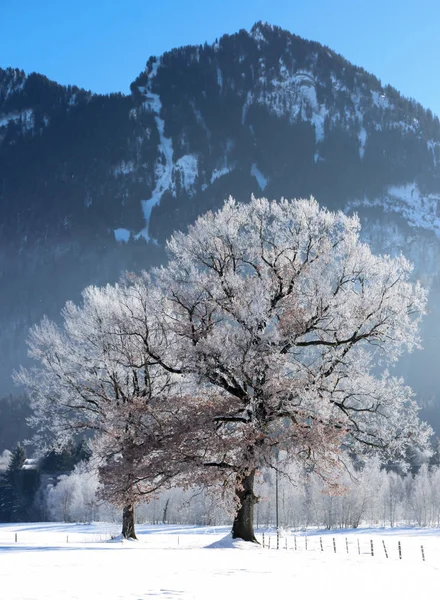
267 338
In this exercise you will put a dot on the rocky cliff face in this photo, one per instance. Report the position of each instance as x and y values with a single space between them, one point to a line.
92 185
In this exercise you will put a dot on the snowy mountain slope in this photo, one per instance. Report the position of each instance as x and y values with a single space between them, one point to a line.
268 102
265 107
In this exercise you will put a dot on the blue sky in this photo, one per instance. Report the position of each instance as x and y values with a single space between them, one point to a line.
102 45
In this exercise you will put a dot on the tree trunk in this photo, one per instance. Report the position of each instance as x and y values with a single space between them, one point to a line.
128 531
243 526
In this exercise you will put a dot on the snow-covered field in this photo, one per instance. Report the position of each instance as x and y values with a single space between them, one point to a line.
57 561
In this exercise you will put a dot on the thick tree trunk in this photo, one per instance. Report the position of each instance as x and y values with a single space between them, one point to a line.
128 531
243 526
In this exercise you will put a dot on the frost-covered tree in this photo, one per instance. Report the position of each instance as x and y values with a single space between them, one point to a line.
421 500
265 341
281 307
393 493
74 497
96 374
371 496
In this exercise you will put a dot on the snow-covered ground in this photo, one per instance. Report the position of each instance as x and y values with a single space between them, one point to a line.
54 561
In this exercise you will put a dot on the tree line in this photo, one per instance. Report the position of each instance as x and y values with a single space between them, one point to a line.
374 497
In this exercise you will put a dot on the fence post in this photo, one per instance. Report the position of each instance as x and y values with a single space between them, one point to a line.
269 543
372 549
423 553
334 545
263 539
294 540
359 547
306 541
346 544
385 548
320 541
400 550
67 539
15 537
286 541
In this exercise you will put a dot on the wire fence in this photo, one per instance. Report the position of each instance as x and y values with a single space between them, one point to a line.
391 547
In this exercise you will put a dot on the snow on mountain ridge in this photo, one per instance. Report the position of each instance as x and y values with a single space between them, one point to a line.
11 82
316 87
258 30
420 211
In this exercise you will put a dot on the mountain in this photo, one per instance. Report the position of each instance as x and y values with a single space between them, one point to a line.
92 185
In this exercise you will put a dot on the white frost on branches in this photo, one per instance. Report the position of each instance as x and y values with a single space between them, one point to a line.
269 334
281 306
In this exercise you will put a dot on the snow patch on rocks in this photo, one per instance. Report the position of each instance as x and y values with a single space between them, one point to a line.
124 168
419 210
164 166
121 234
220 172
362 141
188 168
26 117
261 179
